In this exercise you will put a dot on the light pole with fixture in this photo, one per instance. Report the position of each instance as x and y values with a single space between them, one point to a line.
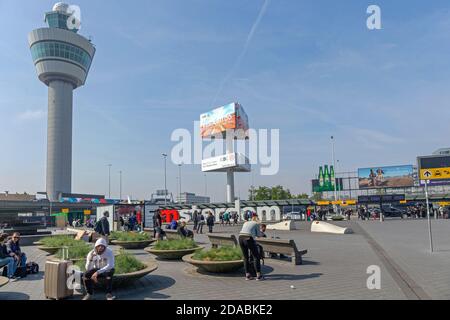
165 178
109 181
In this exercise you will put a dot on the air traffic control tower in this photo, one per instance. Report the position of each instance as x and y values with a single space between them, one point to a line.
62 59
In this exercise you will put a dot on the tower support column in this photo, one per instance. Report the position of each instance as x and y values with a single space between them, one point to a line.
59 138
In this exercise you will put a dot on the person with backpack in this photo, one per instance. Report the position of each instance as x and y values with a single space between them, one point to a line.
201 223
157 225
132 221
102 226
210 222
251 230
194 219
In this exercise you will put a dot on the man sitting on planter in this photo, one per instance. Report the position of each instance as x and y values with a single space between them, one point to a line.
99 264
183 231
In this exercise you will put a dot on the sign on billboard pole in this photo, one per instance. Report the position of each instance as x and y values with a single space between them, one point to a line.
428 215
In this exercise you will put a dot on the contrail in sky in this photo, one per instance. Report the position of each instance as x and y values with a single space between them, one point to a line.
244 50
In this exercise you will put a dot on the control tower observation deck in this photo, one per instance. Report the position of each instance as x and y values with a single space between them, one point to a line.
62 58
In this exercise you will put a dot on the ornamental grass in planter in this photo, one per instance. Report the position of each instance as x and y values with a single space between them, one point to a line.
173 249
53 244
219 254
77 252
129 236
179 244
131 240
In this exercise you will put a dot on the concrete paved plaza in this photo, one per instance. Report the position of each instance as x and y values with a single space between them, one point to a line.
334 268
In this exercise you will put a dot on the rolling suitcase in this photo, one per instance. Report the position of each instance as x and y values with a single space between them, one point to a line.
55 279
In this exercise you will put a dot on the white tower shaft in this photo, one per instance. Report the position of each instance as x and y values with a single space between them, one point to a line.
59 138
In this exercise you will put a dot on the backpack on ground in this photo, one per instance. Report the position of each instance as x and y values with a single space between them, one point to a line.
32 268
21 272
98 226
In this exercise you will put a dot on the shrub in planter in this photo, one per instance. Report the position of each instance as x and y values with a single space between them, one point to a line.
78 251
173 249
58 241
219 254
180 244
129 236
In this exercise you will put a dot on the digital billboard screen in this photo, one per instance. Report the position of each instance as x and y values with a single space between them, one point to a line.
386 177
229 117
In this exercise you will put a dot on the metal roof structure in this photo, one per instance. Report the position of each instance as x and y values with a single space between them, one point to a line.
244 203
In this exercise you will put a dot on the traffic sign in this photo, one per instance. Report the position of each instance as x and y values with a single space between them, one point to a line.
435 173
65 210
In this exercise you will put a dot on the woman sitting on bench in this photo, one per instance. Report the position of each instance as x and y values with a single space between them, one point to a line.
183 231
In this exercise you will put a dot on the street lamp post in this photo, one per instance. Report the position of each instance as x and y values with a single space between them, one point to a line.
109 181
334 164
120 186
206 186
165 178
179 179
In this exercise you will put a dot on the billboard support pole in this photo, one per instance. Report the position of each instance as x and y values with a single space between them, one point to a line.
230 173
428 215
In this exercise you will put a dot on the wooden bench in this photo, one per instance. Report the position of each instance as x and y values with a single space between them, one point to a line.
280 246
222 240
169 233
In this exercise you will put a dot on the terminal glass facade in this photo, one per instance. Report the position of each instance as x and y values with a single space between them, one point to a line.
55 49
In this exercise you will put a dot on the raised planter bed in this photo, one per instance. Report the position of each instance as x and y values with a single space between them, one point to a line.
215 266
49 250
120 280
172 254
133 244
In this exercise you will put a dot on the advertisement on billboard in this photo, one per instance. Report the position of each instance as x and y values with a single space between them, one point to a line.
217 121
386 177
326 180
236 161
326 188
435 169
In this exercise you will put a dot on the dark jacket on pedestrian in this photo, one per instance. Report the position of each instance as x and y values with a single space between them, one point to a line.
3 251
13 247
210 220
104 226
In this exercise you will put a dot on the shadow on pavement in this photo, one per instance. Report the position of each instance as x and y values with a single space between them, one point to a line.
14 296
34 277
238 274
291 277
146 287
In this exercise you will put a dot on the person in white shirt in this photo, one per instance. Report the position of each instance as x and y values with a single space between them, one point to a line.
99 264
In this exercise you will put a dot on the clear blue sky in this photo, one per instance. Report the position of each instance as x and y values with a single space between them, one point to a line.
311 69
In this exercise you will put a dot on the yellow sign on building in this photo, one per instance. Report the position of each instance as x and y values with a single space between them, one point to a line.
65 210
435 173
87 212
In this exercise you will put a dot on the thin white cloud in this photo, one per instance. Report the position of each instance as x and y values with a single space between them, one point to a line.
31 115
236 65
